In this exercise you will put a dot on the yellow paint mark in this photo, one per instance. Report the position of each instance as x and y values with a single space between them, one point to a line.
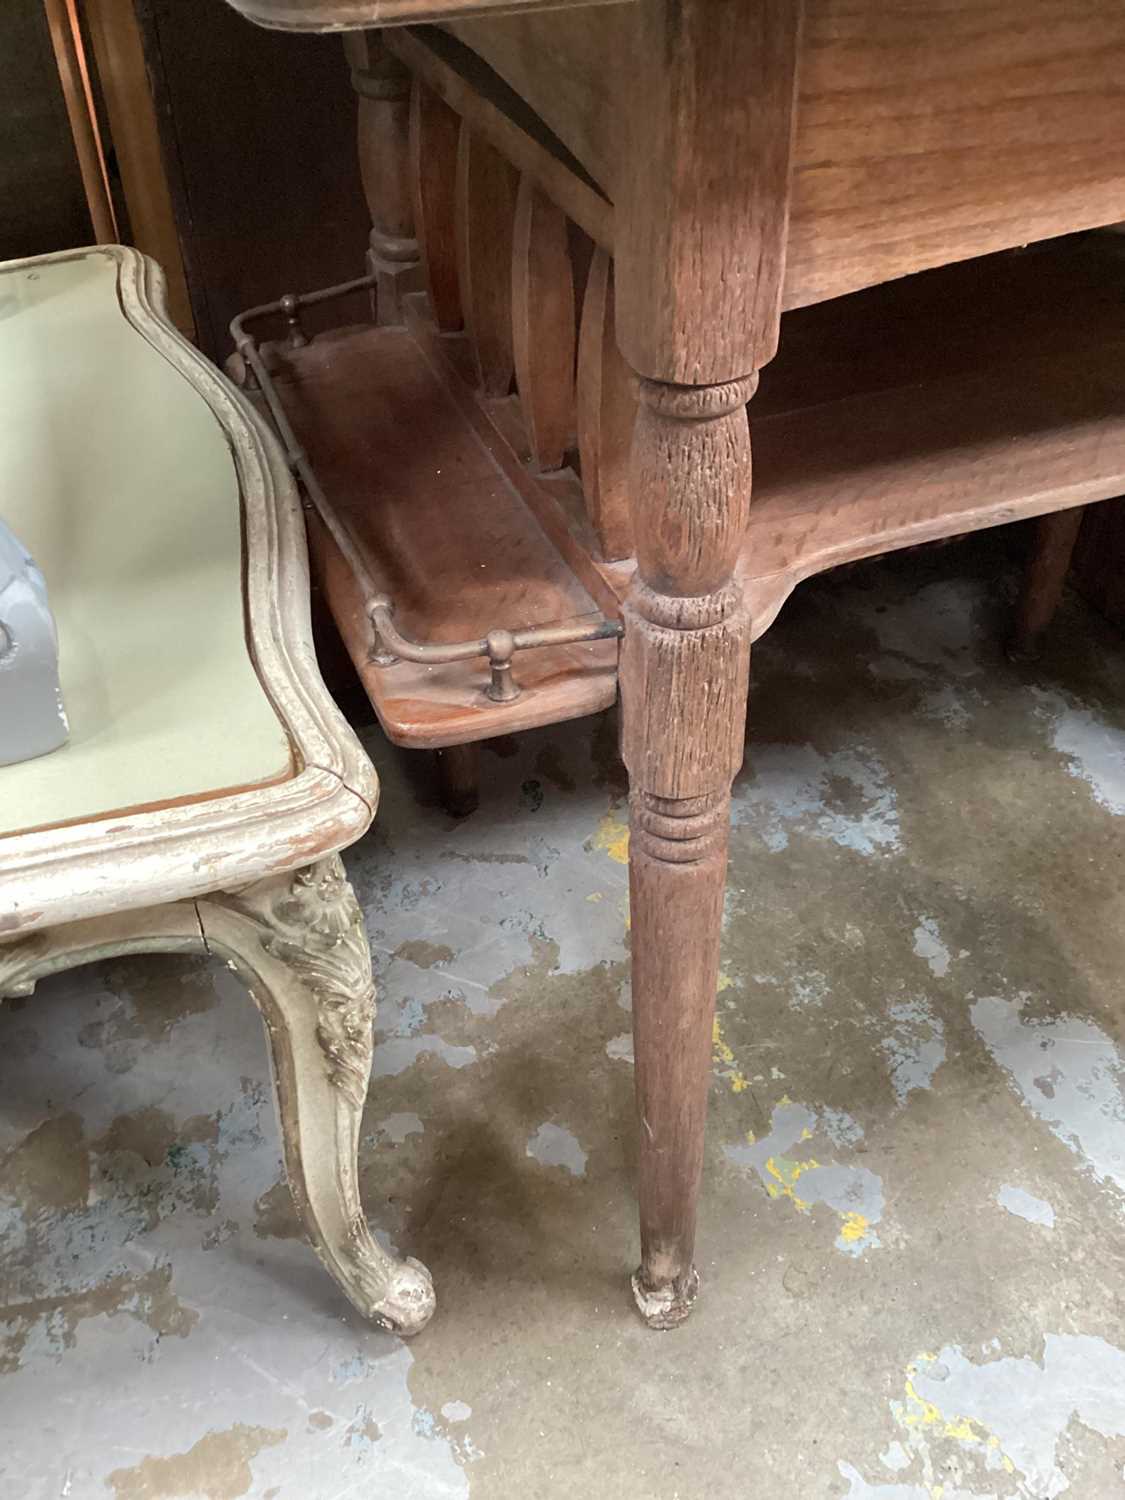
721 1049
594 896
725 982
786 1173
612 836
854 1227
918 1413
725 1060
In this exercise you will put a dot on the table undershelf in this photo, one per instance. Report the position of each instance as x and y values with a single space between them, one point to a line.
954 400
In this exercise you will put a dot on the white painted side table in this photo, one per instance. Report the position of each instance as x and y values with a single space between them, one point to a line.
209 781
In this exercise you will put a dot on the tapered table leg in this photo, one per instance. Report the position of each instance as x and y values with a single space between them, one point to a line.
1045 577
458 771
383 86
684 674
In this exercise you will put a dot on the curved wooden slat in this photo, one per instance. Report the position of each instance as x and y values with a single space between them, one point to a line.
479 96
606 408
434 132
486 207
543 329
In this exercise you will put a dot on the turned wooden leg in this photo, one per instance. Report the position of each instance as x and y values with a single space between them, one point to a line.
1045 577
700 225
383 86
684 675
458 770
298 940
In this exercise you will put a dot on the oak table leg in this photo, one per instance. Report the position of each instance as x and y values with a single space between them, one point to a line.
700 219
458 772
1045 577
383 86
684 675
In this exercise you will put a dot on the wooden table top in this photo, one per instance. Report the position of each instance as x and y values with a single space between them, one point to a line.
924 134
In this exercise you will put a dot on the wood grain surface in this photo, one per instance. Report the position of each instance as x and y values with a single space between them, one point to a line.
925 133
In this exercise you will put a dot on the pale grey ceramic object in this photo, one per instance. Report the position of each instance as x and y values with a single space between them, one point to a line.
32 717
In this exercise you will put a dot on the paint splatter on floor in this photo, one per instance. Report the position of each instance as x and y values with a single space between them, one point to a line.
854 1193
928 945
1026 1205
915 1046
555 1146
1095 750
1001 1417
904 802
846 797
1068 1072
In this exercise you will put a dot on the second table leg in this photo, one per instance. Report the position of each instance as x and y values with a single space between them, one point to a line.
684 675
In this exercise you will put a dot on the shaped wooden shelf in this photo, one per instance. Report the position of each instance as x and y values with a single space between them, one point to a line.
947 402
443 534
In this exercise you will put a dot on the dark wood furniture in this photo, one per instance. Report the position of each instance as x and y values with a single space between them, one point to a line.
619 214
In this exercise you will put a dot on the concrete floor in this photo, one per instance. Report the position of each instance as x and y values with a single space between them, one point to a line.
913 1226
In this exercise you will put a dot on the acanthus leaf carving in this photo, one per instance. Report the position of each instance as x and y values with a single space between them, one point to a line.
310 921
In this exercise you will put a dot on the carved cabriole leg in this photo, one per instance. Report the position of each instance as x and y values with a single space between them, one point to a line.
383 86
684 675
298 940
